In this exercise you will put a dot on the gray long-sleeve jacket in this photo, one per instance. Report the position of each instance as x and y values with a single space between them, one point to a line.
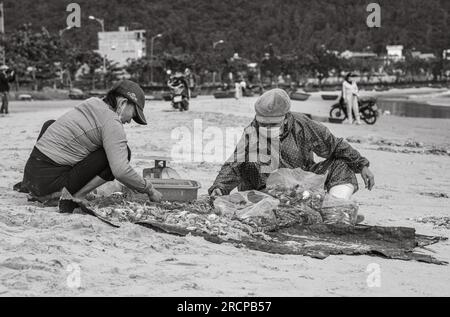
89 126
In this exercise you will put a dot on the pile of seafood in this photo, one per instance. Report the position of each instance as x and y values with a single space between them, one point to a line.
291 197
271 227
313 207
197 217
302 194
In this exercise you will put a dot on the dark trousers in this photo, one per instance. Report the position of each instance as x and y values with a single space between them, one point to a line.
43 176
338 173
5 102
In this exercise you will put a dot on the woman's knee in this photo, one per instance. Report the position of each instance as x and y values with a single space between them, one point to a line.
250 174
106 174
339 173
342 191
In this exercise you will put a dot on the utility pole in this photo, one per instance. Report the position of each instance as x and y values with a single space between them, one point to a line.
214 46
2 32
152 40
102 24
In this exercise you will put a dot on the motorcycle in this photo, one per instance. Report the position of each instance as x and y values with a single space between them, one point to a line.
180 94
180 102
368 110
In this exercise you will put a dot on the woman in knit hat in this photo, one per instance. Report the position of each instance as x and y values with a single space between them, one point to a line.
296 138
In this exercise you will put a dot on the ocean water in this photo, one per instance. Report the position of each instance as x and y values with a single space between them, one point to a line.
431 105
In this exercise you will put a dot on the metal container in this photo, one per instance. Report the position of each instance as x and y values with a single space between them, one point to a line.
161 170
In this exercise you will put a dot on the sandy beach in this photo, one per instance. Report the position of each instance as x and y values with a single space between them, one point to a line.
40 249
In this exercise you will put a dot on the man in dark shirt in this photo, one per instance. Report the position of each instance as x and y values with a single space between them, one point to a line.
6 76
297 138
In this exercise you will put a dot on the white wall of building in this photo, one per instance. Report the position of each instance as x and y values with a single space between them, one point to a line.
395 51
119 46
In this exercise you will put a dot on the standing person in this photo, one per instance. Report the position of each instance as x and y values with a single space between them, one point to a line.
243 85
190 79
281 80
350 96
87 147
6 76
239 86
238 90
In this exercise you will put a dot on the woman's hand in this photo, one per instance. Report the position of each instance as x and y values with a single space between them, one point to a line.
151 192
154 195
216 193
368 178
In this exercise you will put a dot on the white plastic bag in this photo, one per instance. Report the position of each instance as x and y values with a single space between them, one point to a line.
336 210
285 179
249 206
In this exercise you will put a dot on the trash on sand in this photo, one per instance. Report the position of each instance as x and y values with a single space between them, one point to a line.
438 222
435 195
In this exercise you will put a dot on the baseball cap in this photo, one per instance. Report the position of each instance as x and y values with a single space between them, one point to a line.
134 93
272 106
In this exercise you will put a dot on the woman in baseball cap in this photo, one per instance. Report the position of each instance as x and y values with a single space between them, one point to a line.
87 147
133 93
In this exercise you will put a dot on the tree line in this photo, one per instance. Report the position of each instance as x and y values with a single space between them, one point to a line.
301 35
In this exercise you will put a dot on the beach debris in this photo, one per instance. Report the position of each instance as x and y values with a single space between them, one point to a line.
414 144
409 146
438 151
432 151
356 139
435 195
437 222
385 142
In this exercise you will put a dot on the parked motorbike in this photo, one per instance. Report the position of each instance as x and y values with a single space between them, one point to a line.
180 102
368 110
180 93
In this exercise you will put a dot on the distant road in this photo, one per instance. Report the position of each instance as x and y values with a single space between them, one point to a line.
41 105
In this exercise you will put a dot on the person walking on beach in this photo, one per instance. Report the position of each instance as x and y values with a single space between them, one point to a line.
87 147
350 97
6 76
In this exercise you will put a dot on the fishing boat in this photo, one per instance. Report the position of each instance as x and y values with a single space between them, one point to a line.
330 97
224 94
301 96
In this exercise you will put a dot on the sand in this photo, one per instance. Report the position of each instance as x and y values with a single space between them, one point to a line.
43 252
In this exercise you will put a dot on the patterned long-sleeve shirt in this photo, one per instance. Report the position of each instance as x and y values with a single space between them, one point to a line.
299 139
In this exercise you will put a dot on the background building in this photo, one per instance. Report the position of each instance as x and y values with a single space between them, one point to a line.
119 46
395 52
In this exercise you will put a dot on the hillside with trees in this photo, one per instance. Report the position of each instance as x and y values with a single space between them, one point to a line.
293 26
298 30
